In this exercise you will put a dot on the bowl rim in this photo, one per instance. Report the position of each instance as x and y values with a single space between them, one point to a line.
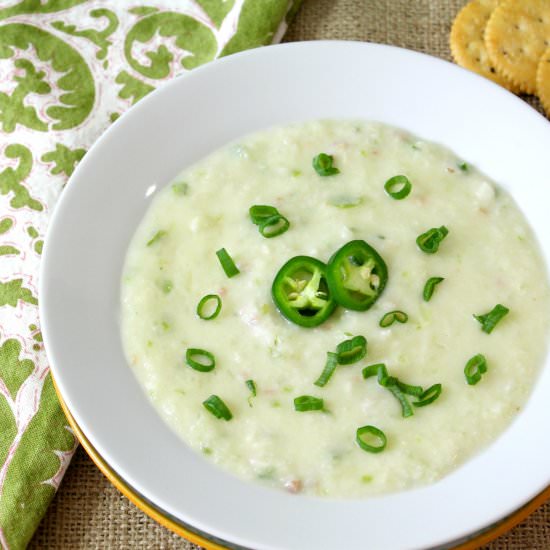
51 250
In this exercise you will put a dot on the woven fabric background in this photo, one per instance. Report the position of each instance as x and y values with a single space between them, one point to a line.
90 513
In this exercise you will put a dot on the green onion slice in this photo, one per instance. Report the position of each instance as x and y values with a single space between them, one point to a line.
429 241
399 389
308 403
489 320
273 226
206 303
217 407
261 212
328 371
429 287
352 350
228 265
376 437
463 166
429 396
156 237
398 187
251 385
200 359
323 165
415 391
392 316
475 367
406 409
378 369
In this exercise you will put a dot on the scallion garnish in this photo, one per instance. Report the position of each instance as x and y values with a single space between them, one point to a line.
392 316
274 226
206 304
323 165
200 359
475 367
398 187
428 396
429 241
352 350
268 219
489 320
463 166
328 371
376 437
399 389
156 237
308 403
251 385
261 212
379 369
429 287
217 407
415 391
228 265
406 409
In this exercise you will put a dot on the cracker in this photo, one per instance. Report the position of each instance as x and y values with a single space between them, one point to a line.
543 81
516 36
467 41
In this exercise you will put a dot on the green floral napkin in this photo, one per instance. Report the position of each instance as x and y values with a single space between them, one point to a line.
68 68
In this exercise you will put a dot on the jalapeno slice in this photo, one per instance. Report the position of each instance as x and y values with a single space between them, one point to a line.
356 275
301 293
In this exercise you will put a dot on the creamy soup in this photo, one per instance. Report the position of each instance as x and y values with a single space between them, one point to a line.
486 255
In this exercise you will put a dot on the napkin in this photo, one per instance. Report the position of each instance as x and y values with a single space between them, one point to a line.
68 69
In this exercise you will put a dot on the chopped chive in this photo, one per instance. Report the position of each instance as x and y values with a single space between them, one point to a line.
429 396
429 287
372 433
489 320
475 367
261 212
398 187
330 367
156 237
378 369
415 391
227 263
308 403
392 316
323 165
251 385
217 407
429 241
406 409
204 306
200 359
180 188
463 166
399 389
274 226
352 350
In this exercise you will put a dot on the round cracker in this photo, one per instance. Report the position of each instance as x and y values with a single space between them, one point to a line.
543 81
468 44
516 36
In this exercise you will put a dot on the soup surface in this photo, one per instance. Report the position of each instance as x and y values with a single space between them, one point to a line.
488 257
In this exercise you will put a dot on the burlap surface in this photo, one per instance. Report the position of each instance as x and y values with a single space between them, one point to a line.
87 511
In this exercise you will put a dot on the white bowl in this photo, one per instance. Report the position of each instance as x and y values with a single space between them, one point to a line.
181 123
